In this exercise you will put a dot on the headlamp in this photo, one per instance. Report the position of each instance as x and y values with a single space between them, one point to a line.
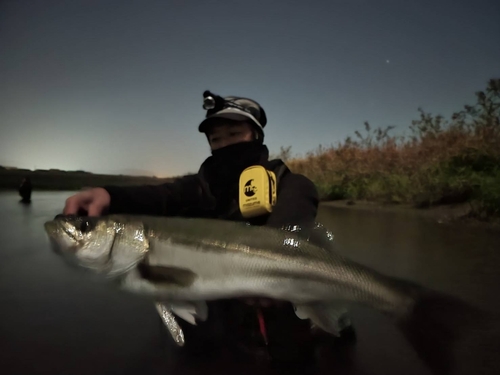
208 100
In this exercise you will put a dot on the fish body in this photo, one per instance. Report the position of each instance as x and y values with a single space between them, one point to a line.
189 261
200 259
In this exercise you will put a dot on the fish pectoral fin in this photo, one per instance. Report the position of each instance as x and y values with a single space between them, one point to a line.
170 322
202 310
331 318
166 275
301 311
186 314
190 311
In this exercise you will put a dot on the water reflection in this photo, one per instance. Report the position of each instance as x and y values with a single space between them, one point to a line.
458 259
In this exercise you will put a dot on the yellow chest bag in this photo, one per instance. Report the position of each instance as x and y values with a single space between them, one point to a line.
257 191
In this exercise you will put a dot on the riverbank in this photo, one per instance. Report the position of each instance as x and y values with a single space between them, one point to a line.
54 180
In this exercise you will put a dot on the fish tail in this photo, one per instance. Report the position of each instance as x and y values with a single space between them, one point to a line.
439 326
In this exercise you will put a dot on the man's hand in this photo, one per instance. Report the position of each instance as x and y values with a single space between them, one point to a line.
94 201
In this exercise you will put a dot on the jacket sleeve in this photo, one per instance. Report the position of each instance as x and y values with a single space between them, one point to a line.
297 202
166 199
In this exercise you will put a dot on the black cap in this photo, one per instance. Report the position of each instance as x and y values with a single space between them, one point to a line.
232 108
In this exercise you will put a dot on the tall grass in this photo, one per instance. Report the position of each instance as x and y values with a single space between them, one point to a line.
442 161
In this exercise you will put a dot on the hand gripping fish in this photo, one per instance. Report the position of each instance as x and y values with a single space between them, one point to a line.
181 263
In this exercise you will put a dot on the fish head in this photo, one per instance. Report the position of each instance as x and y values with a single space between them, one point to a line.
106 245
86 241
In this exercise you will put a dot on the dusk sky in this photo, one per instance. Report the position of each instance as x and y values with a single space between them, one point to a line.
112 86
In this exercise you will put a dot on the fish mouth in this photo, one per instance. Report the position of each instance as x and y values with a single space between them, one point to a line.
50 227
54 227
59 236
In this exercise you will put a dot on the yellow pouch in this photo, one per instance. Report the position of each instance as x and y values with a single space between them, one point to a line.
257 191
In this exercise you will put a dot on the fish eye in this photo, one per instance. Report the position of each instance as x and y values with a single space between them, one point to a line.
87 225
84 226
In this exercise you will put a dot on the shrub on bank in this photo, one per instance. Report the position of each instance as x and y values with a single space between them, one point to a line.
441 162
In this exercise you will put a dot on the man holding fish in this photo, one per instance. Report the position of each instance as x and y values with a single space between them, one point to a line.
214 248
237 182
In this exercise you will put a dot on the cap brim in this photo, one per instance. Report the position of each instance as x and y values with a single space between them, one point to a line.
230 114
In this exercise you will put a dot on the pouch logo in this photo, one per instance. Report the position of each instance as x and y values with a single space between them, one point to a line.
250 189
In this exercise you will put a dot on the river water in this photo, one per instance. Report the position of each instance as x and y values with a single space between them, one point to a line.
53 320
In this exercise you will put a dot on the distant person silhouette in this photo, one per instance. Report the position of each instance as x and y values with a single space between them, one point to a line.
25 190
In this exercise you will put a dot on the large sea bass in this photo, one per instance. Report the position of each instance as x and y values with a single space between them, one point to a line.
184 262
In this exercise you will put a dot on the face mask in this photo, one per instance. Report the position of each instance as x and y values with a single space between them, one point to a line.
238 153
228 162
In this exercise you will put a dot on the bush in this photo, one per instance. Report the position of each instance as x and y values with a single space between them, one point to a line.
441 162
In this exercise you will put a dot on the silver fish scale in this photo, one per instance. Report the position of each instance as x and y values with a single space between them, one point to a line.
267 258
287 252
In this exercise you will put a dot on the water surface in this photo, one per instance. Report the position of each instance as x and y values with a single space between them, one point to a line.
54 320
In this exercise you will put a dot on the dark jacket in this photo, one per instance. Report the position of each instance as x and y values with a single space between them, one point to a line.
213 193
